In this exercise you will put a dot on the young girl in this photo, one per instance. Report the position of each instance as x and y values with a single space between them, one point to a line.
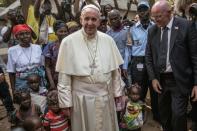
38 94
55 119
33 81
51 51
26 109
133 115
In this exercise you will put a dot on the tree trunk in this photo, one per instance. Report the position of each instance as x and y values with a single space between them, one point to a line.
76 6
25 6
152 2
116 4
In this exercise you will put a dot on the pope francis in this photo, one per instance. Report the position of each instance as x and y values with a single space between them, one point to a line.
89 78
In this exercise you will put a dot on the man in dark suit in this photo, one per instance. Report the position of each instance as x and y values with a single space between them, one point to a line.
193 113
171 61
193 99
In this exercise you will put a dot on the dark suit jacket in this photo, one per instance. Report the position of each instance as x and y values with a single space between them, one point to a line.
182 55
1 70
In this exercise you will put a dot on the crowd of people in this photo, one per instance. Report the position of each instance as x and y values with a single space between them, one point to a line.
93 73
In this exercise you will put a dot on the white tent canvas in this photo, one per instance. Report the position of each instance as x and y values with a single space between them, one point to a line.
12 6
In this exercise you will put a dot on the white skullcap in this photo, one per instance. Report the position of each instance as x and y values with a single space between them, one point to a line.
92 7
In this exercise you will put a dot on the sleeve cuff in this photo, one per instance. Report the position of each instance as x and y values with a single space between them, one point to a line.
65 97
119 90
64 90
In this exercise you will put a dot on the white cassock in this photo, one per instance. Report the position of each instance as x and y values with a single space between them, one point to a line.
90 91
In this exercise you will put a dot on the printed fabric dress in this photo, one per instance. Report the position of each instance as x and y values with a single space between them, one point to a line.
51 52
133 116
23 62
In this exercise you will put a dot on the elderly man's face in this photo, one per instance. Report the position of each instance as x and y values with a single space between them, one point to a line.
161 17
90 21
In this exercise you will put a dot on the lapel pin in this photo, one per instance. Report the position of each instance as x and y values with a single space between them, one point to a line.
176 27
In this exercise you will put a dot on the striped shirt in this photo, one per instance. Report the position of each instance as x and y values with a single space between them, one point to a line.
56 122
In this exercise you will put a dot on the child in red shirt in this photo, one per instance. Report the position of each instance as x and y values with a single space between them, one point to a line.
55 119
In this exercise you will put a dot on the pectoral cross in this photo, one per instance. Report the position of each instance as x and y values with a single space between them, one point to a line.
93 66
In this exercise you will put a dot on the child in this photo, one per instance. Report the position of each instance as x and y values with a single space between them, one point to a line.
26 109
34 83
133 115
51 51
55 119
38 94
33 124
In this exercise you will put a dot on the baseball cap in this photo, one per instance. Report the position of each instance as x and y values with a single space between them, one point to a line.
142 4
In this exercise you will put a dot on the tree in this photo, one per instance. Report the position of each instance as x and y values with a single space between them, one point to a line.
25 6
116 4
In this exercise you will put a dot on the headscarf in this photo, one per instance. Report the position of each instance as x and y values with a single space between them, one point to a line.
21 27
72 24
59 24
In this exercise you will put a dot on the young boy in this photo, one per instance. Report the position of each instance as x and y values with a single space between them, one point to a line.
55 119
5 94
38 94
26 109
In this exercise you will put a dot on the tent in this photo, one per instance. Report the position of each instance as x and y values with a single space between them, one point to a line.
12 6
